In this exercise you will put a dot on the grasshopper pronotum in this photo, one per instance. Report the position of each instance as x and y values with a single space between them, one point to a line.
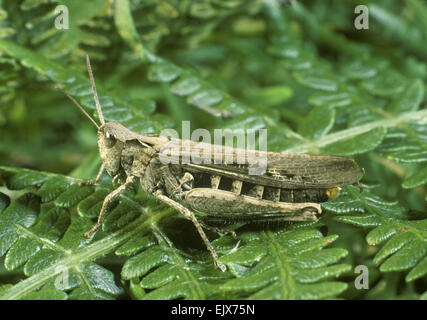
290 189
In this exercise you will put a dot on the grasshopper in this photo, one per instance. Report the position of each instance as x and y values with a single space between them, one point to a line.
290 189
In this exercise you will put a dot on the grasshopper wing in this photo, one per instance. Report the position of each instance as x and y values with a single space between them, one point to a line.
291 171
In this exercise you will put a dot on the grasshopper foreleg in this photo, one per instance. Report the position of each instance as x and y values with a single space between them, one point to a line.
96 180
110 197
190 216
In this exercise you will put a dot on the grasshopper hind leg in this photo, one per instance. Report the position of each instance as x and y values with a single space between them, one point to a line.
190 216
173 187
274 219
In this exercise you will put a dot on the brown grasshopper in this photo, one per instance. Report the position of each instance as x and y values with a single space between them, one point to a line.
290 189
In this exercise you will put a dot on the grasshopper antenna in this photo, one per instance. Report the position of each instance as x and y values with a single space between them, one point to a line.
79 106
95 94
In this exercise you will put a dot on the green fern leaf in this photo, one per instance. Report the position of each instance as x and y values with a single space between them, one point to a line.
201 94
285 264
287 69
47 245
405 245
114 108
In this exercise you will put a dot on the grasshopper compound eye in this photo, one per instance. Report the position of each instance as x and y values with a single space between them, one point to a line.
110 140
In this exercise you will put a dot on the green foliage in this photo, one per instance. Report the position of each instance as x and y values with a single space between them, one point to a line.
38 235
405 240
220 64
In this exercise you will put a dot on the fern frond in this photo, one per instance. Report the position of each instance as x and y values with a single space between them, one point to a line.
114 108
286 265
169 273
88 27
302 72
200 93
373 123
49 245
405 240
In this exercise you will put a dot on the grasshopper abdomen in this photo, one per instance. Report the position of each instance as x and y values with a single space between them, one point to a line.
259 191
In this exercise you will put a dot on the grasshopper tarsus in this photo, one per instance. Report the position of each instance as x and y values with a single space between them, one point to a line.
220 266
92 230
91 182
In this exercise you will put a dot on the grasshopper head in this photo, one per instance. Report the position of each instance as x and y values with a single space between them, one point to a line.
112 136
111 140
